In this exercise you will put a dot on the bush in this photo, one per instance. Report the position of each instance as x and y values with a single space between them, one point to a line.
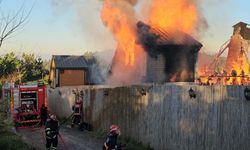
8 139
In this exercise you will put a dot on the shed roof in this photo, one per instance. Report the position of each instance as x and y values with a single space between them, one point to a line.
70 61
80 62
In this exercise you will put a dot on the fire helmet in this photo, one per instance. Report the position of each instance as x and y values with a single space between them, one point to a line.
114 129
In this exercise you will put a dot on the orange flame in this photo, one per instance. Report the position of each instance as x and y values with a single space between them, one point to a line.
120 18
173 78
173 14
122 27
236 69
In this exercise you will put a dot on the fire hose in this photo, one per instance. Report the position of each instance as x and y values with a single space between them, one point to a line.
34 128
65 120
59 135
61 138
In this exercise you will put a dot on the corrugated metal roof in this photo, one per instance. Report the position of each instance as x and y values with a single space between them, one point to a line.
174 37
70 61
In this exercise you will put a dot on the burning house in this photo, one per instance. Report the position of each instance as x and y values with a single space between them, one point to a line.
159 51
237 69
171 56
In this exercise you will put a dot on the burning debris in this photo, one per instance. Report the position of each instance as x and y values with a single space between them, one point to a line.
236 70
237 55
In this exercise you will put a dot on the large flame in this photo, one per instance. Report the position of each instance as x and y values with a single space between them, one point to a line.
120 18
236 69
237 55
173 14
122 25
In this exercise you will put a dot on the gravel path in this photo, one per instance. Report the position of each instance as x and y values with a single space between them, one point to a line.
73 139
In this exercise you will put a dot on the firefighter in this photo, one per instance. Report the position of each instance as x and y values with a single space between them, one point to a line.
51 132
77 109
43 114
111 142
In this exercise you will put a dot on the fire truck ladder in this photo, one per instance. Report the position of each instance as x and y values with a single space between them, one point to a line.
212 66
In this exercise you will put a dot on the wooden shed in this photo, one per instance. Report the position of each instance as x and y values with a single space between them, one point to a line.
69 70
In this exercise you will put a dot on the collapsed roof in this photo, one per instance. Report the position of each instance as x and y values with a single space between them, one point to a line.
159 36
172 55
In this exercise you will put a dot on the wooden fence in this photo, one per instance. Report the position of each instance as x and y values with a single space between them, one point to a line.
164 116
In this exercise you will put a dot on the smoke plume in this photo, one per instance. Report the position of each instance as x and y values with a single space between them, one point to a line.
134 38
87 20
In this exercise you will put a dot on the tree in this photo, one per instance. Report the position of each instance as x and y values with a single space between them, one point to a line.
26 68
34 68
9 66
9 24
29 63
46 69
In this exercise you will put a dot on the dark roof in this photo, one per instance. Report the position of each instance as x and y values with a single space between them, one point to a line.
174 38
151 36
245 30
80 62
240 24
70 61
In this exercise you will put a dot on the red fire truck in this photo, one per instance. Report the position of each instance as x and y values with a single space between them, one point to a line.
25 103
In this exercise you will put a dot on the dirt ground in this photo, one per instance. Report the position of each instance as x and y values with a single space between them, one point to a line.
71 139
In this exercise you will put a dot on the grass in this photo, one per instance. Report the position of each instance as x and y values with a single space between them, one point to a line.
8 139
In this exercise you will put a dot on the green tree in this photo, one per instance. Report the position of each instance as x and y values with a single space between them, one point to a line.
46 69
24 69
9 65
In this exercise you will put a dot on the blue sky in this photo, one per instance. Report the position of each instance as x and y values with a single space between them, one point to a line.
74 28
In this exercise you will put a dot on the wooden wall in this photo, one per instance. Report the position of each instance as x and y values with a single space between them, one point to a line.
72 77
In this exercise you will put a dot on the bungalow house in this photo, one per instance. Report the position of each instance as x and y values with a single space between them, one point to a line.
69 70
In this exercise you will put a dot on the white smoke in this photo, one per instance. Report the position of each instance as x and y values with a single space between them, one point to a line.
88 20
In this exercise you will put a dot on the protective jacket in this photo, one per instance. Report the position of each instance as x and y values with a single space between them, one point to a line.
51 129
111 143
77 108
